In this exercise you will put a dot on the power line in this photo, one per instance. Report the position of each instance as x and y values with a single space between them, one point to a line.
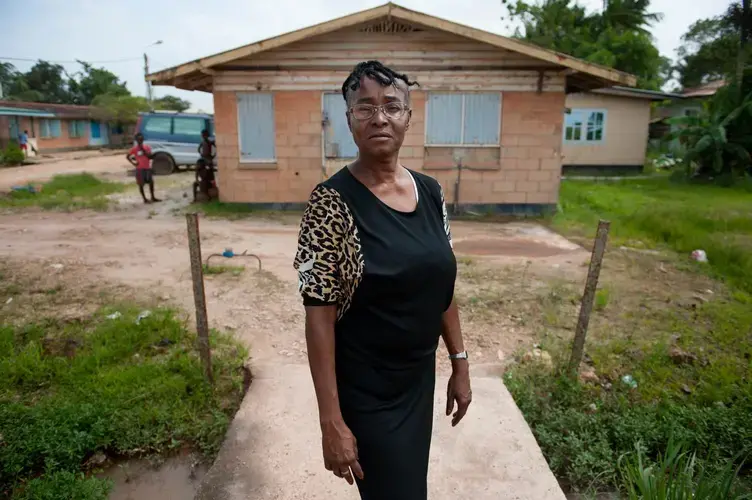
111 61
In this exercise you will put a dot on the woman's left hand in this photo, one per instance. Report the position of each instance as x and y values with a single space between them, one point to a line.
458 390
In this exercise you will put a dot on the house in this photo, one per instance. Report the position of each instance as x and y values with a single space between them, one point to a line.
492 104
606 130
56 127
690 104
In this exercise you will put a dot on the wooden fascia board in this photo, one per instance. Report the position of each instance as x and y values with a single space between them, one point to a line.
395 11
514 45
272 43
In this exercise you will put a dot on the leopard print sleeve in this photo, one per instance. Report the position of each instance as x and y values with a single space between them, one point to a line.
329 259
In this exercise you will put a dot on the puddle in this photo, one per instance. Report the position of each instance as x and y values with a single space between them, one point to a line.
507 247
174 479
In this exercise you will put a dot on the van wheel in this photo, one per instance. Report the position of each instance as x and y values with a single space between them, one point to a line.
163 164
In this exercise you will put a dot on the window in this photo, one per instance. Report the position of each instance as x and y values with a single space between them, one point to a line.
49 128
158 124
76 128
463 119
256 127
116 129
187 126
585 126
338 139
692 112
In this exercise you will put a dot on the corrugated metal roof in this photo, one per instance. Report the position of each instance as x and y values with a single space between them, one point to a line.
6 111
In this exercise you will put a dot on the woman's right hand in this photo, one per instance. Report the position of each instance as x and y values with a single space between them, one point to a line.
340 450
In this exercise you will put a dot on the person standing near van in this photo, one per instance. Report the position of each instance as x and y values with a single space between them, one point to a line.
140 156
205 181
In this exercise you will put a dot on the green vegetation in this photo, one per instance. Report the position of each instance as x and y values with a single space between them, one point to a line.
233 270
676 475
67 193
687 348
656 213
118 386
228 210
12 155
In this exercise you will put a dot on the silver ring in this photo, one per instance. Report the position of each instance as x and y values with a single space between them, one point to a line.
345 472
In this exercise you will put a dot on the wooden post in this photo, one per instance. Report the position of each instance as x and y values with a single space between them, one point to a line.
586 306
199 297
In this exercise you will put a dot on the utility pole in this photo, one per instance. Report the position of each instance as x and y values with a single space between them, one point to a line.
149 95
148 83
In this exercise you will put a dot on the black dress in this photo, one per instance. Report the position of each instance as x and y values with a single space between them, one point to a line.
391 275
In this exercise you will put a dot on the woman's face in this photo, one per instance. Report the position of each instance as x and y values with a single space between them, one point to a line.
382 134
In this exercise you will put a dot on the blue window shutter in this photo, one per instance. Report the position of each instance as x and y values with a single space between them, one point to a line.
72 130
482 116
44 128
256 126
55 128
337 132
444 119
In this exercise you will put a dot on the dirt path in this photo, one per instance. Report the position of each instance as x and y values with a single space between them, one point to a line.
273 448
100 164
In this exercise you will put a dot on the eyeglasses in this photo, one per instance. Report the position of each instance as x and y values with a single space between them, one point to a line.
393 110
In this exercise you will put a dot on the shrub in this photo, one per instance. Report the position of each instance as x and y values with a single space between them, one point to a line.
12 155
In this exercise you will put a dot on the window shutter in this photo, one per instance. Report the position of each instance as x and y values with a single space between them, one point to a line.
444 119
256 126
338 139
482 117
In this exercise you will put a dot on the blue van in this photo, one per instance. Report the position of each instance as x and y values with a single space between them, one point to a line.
173 137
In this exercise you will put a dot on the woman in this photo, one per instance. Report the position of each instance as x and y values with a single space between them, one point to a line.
377 272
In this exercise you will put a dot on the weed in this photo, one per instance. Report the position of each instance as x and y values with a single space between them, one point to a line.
233 270
677 474
67 193
701 395
602 296
111 385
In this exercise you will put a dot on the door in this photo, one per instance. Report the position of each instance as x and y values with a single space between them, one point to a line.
339 147
14 129
95 134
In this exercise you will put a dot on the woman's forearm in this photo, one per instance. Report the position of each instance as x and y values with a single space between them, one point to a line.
319 331
451 332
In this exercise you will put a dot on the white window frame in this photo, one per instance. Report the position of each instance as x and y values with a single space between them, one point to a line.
462 122
251 161
583 140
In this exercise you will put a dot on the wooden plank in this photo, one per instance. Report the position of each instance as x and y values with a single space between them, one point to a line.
397 13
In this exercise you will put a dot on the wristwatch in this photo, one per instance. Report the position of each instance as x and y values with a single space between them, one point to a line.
459 355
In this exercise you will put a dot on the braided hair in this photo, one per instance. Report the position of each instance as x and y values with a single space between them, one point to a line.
376 71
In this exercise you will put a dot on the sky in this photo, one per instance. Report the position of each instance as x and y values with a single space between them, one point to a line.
95 30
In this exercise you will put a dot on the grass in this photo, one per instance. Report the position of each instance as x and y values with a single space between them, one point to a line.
66 193
235 211
69 390
232 270
649 308
657 213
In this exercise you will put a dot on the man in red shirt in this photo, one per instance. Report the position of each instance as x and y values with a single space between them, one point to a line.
140 156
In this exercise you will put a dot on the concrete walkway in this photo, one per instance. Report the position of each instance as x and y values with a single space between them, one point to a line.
491 455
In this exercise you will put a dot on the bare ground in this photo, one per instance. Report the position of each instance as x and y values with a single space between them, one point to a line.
142 249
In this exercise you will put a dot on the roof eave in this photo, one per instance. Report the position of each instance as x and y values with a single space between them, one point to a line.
605 76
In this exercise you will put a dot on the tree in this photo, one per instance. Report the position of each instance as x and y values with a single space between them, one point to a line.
44 82
171 103
93 82
120 108
711 47
617 37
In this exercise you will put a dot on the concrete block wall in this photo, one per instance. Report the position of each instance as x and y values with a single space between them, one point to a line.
526 169
297 145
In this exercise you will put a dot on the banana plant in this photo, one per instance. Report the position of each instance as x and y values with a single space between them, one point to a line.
711 138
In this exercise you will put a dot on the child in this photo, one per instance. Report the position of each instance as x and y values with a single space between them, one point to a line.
140 156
